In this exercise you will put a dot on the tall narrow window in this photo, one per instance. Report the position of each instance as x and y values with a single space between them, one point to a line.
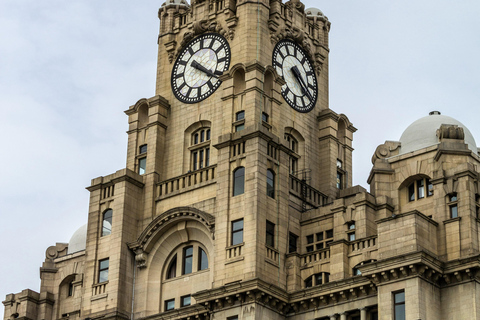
142 165
240 121
187 260
292 242
399 305
237 232
70 288
202 259
453 205
172 268
239 181
107 222
270 183
200 149
421 189
411 192
103 270
270 234
339 183
292 145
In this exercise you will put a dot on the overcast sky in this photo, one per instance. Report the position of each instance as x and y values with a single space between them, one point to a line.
68 70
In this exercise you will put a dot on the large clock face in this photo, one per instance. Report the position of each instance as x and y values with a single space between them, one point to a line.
198 66
291 62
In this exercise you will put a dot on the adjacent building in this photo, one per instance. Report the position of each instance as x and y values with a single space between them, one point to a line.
236 201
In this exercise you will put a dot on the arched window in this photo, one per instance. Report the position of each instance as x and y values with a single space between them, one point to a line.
270 183
317 279
238 181
420 188
172 268
107 222
200 152
187 260
356 271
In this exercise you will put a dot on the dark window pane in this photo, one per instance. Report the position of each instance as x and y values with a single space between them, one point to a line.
411 192
399 297
309 248
318 279
270 234
195 160
202 136
310 238
264 117
239 181
107 222
429 188
207 157
103 270
326 277
208 134
329 233
240 127
143 148
270 184
308 282
201 159
195 138
339 180
292 243
453 197
202 259
319 246
320 236
172 268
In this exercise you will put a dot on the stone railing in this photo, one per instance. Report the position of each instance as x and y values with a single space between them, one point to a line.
99 288
317 255
234 251
304 191
272 254
190 179
364 243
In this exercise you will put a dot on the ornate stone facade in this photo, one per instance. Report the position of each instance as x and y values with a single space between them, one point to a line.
240 207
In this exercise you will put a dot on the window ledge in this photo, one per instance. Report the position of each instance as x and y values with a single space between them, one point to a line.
99 296
452 220
199 145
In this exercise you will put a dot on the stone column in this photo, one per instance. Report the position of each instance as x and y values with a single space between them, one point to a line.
333 317
343 316
363 313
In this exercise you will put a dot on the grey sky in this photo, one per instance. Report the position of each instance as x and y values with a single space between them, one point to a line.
68 70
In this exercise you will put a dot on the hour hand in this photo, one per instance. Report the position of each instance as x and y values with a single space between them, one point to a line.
299 77
198 66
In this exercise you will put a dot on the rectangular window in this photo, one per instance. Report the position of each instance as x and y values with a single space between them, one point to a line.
187 260
202 259
143 148
292 242
399 305
329 233
264 117
309 248
169 304
270 234
240 116
429 188
310 238
195 160
240 127
185 301
233 318
103 270
142 165
237 232
207 157
201 159
453 211
351 236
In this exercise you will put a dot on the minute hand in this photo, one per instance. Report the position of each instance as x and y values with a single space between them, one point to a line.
298 75
198 66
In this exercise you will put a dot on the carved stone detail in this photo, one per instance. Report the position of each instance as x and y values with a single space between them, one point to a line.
449 131
386 150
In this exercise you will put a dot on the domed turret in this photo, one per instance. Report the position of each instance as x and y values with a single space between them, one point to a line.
423 133
313 13
78 242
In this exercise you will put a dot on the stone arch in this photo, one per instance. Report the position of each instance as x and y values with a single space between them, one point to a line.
163 238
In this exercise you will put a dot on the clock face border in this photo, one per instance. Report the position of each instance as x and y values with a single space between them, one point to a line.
290 92
184 61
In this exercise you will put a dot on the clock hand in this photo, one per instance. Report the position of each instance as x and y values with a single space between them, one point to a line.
298 75
198 66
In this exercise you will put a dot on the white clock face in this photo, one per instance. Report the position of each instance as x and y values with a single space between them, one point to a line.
291 63
198 66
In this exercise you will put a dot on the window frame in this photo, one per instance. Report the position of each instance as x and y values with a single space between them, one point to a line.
270 234
271 183
238 181
182 301
142 165
106 232
236 231
399 304
292 244
166 304
202 257
172 268
187 260
102 270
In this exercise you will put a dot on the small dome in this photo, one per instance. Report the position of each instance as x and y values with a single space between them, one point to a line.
423 133
314 13
78 242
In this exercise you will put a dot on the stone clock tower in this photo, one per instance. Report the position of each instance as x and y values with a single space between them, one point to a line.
236 201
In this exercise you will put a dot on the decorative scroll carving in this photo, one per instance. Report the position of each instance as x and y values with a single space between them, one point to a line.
141 259
386 150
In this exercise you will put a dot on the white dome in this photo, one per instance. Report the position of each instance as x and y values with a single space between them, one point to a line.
314 13
423 133
175 3
78 242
